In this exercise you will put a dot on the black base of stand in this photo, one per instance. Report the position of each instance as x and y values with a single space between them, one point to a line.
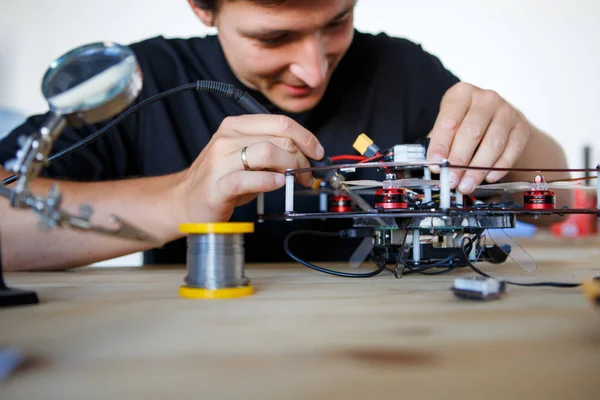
15 297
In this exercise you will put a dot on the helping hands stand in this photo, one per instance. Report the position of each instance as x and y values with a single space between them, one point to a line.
87 85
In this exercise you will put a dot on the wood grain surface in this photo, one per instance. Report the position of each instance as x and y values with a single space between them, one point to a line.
106 333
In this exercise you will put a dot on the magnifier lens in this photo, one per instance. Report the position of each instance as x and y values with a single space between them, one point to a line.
91 76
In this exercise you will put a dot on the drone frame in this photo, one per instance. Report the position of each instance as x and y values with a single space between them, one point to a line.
481 218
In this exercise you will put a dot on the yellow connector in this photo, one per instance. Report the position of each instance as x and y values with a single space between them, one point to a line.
591 288
362 143
316 184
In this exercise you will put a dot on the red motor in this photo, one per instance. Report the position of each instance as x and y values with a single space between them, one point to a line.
390 198
340 204
539 200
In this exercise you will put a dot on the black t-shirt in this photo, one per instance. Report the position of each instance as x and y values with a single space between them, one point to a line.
388 88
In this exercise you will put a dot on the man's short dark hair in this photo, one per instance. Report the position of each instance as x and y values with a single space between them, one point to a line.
211 5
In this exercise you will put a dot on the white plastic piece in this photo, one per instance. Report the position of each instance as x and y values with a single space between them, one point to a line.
539 183
444 186
323 202
522 186
432 222
416 245
409 153
459 198
398 183
427 191
478 287
289 193
260 204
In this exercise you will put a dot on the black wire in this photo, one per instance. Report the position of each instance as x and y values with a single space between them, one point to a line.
450 258
400 259
441 263
382 156
436 264
99 133
214 87
427 206
466 248
424 272
320 269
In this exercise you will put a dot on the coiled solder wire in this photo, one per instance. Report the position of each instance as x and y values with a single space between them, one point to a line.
215 261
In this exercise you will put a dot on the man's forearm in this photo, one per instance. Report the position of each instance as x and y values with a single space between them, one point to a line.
148 203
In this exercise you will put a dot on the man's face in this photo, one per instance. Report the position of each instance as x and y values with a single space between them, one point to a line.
287 52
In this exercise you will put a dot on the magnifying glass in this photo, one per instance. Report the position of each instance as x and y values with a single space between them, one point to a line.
87 85
92 83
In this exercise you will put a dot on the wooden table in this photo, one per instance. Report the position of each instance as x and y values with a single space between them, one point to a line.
105 333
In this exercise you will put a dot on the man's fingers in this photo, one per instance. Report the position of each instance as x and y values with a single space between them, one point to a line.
266 156
453 109
468 137
227 144
490 150
275 125
239 183
284 143
519 136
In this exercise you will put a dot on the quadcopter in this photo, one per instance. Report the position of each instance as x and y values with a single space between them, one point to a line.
416 223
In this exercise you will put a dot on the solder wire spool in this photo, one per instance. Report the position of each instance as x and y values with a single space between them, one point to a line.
215 261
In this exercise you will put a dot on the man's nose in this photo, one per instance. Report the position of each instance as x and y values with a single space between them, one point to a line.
311 63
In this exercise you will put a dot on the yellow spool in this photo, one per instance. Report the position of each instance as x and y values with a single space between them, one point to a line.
215 260
217 228
225 293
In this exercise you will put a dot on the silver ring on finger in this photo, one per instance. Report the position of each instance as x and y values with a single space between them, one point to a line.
245 159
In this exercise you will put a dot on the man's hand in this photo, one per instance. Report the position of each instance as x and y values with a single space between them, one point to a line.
217 181
477 128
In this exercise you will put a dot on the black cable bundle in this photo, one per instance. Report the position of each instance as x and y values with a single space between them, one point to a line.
381 265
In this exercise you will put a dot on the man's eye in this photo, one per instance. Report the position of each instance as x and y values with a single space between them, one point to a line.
273 41
339 22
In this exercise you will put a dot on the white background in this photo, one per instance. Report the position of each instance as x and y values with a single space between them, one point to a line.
542 56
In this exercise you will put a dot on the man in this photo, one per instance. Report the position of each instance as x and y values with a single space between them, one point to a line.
302 60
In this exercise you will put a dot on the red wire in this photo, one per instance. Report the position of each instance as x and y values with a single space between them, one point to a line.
360 159
347 157
377 156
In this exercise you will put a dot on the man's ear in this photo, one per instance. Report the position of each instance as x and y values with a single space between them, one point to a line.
207 17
